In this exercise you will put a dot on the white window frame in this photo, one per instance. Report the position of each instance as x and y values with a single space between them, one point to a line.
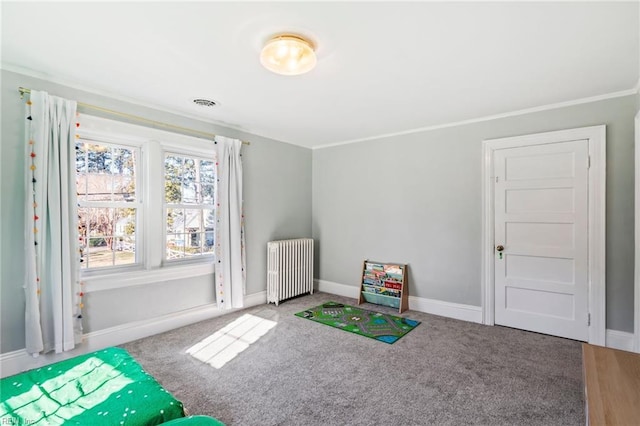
154 144
136 146
199 156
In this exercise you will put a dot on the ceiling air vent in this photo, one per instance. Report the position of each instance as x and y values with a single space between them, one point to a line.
204 102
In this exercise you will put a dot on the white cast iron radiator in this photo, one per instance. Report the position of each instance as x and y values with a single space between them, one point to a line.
289 269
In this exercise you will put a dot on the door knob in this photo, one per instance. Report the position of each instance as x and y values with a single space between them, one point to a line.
499 248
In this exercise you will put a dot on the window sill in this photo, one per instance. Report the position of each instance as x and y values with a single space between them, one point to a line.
106 282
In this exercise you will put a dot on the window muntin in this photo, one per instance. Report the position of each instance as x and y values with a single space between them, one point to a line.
189 188
109 204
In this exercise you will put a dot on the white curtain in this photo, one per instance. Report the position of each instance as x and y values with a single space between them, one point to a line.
230 254
53 320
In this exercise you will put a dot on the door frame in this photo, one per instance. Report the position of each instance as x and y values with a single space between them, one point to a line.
596 135
636 291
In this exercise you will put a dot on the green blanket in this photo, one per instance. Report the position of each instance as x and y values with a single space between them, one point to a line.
107 387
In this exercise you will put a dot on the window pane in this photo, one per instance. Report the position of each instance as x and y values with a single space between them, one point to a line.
193 220
129 166
81 186
124 189
189 181
193 231
98 157
100 237
172 179
189 190
115 167
100 221
175 246
124 237
111 173
100 254
189 193
108 155
172 191
208 249
209 226
173 168
209 219
195 242
126 169
99 187
189 170
208 194
125 222
207 174
125 250
175 221
81 163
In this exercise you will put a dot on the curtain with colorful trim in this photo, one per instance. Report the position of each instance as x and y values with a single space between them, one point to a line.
230 270
52 285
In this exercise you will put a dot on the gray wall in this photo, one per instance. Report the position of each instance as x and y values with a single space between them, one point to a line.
277 184
416 198
413 198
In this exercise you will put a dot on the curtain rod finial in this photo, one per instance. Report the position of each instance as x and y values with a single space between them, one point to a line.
22 91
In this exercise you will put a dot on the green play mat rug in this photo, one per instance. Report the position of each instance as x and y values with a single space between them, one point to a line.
376 325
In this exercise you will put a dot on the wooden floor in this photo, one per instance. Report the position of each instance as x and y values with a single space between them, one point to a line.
612 386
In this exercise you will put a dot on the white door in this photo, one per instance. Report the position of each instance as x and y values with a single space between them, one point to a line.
541 224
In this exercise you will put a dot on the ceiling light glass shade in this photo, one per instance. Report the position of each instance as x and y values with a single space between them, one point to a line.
288 55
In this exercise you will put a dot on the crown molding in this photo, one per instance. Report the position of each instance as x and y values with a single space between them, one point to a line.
580 101
43 76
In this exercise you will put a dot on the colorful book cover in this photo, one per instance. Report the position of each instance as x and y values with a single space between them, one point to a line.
372 282
393 269
393 285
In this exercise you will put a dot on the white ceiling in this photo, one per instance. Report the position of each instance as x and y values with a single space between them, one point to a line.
383 67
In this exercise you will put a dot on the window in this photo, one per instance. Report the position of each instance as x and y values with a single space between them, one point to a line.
108 203
145 202
189 186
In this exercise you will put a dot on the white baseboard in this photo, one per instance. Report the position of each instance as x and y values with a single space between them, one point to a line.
255 299
619 340
17 361
430 306
446 309
343 290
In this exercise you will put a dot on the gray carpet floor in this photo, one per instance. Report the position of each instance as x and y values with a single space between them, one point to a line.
444 372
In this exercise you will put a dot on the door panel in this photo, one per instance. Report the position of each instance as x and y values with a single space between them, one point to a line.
527 167
559 305
541 219
539 269
540 235
548 200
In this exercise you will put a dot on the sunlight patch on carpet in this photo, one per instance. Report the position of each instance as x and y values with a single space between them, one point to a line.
226 343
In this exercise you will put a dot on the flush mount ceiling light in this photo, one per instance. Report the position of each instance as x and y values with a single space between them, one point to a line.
288 54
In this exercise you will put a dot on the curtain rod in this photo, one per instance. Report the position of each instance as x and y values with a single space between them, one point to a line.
24 90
